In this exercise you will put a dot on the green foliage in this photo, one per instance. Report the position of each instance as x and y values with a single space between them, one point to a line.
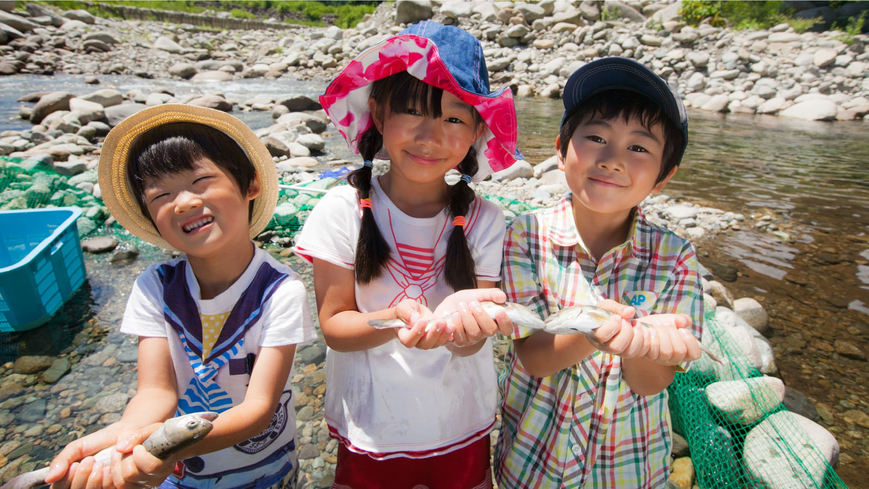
853 28
344 14
802 25
237 13
612 12
740 15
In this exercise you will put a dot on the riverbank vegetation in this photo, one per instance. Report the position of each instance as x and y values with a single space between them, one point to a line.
344 14
743 15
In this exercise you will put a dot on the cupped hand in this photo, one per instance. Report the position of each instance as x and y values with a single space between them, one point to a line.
66 463
671 341
420 334
618 336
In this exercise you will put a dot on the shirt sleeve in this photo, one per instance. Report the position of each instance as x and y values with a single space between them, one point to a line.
488 241
331 230
287 318
144 313
519 274
683 292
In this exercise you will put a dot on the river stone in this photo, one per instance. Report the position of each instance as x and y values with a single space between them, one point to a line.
116 113
520 169
56 371
457 10
106 97
33 412
124 257
718 103
720 293
164 43
311 141
312 354
813 110
211 76
99 244
17 22
182 70
315 124
212 102
680 445
87 111
297 149
49 103
32 364
767 357
682 476
70 168
297 103
412 11
746 401
275 146
112 403
847 349
80 15
752 312
798 403
302 162
801 464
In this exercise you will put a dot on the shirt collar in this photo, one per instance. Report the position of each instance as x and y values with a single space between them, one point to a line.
563 229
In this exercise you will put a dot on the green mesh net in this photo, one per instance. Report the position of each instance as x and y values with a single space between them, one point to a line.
739 433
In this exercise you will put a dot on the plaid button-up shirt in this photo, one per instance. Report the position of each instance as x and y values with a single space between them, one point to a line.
583 426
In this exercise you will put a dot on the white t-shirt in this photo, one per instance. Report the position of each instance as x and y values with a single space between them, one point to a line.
267 307
393 401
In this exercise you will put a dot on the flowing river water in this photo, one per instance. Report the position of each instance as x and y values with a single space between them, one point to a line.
810 179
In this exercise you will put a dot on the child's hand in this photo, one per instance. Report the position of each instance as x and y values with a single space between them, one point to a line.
472 324
671 341
420 334
67 462
618 336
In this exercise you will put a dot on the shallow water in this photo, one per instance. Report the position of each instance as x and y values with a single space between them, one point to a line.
811 178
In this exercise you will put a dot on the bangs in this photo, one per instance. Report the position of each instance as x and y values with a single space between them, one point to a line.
402 91
626 106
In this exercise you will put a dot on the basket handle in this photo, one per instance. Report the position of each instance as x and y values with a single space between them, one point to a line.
56 247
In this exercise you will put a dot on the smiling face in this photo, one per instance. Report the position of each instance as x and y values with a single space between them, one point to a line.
200 211
611 165
423 147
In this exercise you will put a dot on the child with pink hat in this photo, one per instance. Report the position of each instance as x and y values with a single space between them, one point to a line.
413 406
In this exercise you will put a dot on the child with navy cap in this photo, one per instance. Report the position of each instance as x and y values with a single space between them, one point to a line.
591 410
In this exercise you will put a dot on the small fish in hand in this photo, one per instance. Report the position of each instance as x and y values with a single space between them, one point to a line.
175 435
585 319
518 314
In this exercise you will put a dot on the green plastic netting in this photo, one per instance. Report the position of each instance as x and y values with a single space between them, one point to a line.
739 433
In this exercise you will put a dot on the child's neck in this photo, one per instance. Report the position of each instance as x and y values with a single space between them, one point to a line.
601 233
413 198
217 273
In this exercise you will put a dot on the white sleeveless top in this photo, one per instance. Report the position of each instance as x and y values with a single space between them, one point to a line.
392 401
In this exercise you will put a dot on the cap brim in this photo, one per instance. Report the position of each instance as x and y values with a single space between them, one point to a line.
346 98
116 190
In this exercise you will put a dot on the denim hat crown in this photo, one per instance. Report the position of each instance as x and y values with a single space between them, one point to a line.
460 51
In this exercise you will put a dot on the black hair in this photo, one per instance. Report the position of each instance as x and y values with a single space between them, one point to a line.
628 105
170 149
402 91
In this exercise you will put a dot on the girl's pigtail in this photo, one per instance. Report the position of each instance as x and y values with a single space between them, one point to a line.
459 270
372 250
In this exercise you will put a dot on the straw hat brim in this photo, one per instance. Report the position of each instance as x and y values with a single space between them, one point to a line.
116 190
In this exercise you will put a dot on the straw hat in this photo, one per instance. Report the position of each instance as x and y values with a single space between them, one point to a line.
116 190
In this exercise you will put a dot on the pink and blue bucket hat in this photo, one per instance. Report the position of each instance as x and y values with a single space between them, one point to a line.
442 56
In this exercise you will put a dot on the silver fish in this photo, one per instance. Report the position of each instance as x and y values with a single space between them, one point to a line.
175 435
518 314
585 319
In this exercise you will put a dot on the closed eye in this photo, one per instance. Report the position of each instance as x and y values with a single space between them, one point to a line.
200 179
159 196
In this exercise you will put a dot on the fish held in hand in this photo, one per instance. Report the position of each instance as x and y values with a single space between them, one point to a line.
585 319
173 436
518 314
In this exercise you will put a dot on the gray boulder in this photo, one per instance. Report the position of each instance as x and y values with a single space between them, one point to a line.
590 10
314 123
625 11
49 103
298 103
182 70
813 110
746 401
37 11
520 169
116 113
752 312
211 76
17 22
86 110
212 102
275 146
80 15
163 43
101 36
99 244
311 141
798 466
412 11
106 97
457 10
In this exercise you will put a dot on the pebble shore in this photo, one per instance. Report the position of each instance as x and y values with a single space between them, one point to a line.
47 401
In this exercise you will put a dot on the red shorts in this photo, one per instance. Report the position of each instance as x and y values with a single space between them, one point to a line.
465 468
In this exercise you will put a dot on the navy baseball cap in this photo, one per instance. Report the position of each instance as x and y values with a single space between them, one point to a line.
615 73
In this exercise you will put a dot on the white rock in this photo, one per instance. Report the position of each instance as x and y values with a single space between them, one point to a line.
520 169
810 448
717 103
813 110
824 57
772 105
746 401
163 43
752 312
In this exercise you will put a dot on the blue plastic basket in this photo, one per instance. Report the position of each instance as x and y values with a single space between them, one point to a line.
41 265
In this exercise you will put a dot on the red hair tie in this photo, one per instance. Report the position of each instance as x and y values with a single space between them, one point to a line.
365 203
459 221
